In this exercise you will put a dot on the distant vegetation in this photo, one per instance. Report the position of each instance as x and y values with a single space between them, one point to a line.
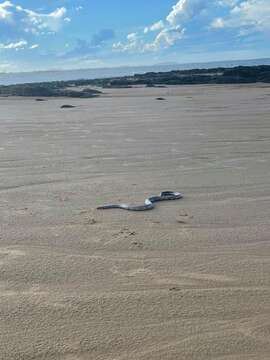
236 75
49 89
80 88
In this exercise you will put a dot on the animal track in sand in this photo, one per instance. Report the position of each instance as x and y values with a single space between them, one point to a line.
125 232
23 211
174 288
255 325
7 254
33 291
181 222
89 218
138 244
207 277
90 221
183 215
136 272
262 331
71 357
174 283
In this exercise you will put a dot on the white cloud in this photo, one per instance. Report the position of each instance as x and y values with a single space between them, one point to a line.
35 46
246 16
169 37
19 45
253 13
5 14
218 23
155 27
170 30
165 38
132 37
133 43
32 21
228 2
250 15
45 22
6 67
185 10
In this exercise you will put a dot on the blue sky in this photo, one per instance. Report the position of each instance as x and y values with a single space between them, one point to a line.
63 34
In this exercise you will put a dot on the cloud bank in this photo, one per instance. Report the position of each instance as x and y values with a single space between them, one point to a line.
30 21
19 45
249 14
169 30
244 16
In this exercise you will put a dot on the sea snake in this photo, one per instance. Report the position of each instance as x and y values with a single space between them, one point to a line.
148 204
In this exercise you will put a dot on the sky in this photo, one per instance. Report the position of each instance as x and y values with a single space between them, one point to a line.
74 34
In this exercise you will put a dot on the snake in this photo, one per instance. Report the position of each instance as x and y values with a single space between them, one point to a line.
149 203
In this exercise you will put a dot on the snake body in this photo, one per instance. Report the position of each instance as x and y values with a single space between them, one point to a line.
148 204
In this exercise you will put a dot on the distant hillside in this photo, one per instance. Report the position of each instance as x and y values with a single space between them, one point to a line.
80 88
65 75
236 75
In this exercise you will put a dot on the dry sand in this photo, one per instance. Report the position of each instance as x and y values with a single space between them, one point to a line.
189 280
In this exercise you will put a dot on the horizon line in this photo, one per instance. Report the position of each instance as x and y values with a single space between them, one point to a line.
134 66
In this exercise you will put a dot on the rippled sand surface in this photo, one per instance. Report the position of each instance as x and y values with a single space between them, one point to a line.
189 280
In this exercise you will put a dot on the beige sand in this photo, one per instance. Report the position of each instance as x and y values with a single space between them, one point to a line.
189 280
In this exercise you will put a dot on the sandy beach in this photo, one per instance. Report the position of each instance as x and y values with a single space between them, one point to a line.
189 280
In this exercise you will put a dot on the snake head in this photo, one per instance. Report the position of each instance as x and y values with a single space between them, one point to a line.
172 194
